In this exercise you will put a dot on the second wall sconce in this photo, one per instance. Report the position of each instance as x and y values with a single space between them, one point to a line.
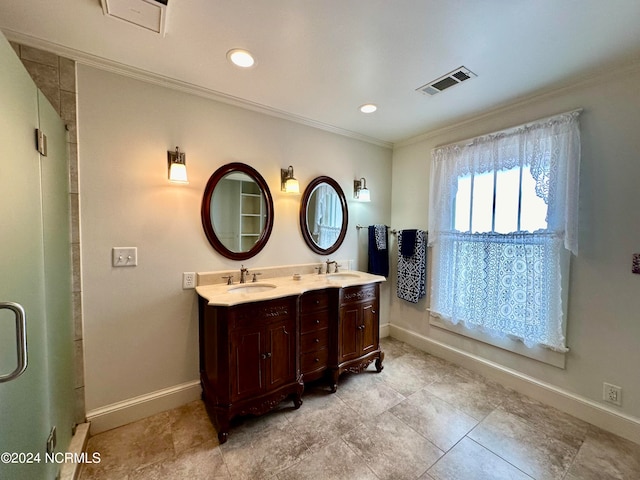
177 166
360 190
288 183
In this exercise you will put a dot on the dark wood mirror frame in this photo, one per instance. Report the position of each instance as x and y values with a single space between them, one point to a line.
206 210
304 227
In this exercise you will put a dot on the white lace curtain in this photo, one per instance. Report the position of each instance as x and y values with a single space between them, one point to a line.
507 284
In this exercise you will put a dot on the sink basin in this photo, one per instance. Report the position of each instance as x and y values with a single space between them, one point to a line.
251 288
343 276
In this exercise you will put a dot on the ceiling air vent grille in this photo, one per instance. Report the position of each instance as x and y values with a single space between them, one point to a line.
149 14
455 77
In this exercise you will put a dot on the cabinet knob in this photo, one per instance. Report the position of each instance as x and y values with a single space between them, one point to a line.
317 340
316 360
373 311
317 321
264 356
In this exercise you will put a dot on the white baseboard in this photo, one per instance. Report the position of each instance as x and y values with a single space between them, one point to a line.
384 330
599 415
137 408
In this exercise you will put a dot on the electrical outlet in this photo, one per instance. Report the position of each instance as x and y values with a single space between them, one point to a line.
188 280
612 394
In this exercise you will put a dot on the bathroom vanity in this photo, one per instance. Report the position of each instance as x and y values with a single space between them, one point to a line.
259 342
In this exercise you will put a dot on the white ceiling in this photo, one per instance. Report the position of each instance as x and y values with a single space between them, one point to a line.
319 60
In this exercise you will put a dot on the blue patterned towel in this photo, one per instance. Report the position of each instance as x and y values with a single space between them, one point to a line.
412 270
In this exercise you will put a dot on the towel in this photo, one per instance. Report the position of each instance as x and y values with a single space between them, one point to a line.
412 269
407 244
378 250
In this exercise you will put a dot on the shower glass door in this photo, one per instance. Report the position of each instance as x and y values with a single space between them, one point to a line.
25 402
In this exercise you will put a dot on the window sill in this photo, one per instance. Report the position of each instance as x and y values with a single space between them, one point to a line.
541 354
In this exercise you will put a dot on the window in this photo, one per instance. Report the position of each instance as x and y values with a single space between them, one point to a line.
503 214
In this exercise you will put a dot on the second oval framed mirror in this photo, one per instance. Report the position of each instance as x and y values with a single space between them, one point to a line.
323 215
237 211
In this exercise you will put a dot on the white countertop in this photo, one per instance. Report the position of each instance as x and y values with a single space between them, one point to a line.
278 287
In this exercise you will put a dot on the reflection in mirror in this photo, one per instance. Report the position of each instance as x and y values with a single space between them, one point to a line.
237 211
323 215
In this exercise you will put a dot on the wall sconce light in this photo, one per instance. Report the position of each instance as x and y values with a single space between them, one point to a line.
360 190
287 181
177 166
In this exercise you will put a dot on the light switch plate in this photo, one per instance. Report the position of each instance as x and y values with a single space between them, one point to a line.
124 256
635 263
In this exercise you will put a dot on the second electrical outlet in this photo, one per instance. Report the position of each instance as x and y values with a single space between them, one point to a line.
188 280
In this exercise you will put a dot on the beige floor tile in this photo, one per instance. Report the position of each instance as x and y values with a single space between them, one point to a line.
434 419
367 394
524 446
335 461
191 426
605 456
388 425
130 447
203 462
470 461
468 392
324 418
262 447
393 348
392 449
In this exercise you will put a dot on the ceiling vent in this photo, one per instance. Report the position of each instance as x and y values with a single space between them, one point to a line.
459 75
149 14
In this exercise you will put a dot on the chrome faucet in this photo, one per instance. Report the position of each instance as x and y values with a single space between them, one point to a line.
243 274
329 262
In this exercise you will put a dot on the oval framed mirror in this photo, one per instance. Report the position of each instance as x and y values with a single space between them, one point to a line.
237 211
323 215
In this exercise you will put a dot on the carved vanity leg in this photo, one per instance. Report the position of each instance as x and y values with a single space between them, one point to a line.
297 401
379 360
334 380
222 424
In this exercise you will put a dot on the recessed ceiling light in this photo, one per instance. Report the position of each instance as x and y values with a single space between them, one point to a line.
241 58
368 108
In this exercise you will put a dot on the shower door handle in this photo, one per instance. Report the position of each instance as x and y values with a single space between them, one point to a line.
21 340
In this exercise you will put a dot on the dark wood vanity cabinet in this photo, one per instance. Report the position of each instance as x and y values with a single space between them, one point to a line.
249 359
254 355
314 333
358 331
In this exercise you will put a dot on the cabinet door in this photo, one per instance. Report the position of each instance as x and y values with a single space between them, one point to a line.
246 366
280 350
369 328
349 333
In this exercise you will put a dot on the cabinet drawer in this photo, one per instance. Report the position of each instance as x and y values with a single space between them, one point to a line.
359 294
314 340
259 313
313 360
313 301
311 322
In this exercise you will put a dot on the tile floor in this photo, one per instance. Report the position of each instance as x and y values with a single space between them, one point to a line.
420 418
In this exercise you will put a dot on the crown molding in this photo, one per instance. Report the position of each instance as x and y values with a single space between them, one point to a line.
595 78
179 85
